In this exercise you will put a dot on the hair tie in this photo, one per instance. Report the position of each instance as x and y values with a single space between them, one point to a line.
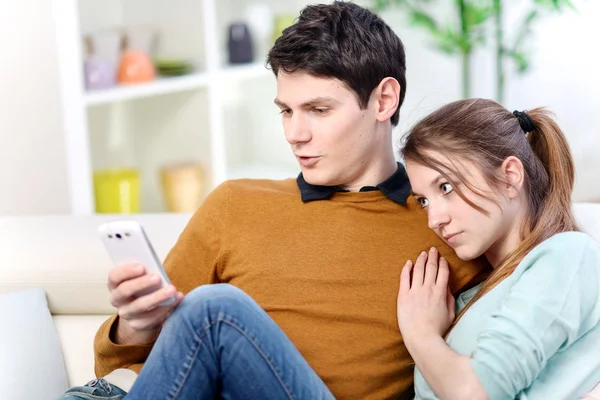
524 120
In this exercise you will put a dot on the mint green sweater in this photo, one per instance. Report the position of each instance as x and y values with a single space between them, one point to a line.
537 334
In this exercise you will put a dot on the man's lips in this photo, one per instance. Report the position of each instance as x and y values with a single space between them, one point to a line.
308 161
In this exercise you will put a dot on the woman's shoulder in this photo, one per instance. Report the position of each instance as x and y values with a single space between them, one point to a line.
565 250
571 237
567 243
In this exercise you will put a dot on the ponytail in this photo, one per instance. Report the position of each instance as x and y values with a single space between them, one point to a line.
552 150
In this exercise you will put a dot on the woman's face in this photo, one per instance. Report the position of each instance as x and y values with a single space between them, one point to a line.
467 230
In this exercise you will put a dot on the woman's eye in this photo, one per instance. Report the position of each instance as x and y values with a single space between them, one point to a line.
446 188
423 201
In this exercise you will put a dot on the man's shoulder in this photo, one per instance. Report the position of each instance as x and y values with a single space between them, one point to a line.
262 187
241 198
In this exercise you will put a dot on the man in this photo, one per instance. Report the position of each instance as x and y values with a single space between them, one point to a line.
321 254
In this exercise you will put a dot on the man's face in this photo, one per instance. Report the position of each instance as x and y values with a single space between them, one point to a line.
331 137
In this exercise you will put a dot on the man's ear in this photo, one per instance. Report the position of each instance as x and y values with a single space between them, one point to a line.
513 174
386 97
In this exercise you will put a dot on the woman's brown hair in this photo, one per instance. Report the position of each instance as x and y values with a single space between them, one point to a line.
485 133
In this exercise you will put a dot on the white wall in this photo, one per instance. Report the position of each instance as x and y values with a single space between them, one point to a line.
563 77
33 176
566 79
32 158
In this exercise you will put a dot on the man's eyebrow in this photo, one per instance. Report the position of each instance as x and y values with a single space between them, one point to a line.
432 183
310 103
318 100
280 103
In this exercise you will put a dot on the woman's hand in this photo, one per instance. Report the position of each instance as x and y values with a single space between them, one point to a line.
425 303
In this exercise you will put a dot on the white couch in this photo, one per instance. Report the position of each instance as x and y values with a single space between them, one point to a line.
64 255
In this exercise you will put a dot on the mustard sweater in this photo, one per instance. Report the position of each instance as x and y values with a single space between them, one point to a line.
326 271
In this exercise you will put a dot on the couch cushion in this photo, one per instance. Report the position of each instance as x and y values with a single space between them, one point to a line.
31 362
588 217
64 255
76 334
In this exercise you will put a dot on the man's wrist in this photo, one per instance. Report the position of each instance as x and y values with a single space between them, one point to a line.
124 334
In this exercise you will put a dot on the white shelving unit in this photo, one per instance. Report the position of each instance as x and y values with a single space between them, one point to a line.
209 116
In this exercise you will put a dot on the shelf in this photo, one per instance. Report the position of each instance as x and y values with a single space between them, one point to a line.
154 88
173 84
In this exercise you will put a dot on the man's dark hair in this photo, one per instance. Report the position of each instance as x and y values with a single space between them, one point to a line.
345 41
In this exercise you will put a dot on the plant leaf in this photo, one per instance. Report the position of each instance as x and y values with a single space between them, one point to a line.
476 14
420 18
555 5
520 59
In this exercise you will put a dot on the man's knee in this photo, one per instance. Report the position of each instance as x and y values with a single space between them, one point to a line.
210 300
221 292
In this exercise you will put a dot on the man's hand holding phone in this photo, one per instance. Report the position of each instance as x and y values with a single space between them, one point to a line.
139 287
140 315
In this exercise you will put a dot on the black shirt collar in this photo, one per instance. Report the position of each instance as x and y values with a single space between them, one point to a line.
396 188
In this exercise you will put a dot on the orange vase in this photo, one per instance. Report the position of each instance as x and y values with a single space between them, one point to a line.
135 66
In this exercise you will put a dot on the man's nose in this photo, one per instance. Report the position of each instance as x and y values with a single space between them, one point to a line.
297 130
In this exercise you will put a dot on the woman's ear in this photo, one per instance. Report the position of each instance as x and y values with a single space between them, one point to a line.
387 98
513 174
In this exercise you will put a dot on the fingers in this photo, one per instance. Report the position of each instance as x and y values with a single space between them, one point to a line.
150 321
450 302
128 290
405 277
178 298
419 270
147 303
153 316
145 314
443 273
431 268
123 273
137 296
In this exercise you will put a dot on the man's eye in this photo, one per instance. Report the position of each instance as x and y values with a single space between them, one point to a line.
423 201
320 110
446 188
285 112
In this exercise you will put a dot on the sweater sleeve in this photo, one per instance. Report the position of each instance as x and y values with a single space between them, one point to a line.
194 260
552 303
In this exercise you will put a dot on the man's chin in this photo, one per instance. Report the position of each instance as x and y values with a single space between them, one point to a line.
313 178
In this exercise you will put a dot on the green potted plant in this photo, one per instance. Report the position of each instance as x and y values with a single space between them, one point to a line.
471 29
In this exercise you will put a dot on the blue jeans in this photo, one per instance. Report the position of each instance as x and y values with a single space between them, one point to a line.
218 343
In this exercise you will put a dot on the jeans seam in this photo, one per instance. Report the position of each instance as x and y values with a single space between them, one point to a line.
198 344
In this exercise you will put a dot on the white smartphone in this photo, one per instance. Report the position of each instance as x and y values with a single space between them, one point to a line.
127 243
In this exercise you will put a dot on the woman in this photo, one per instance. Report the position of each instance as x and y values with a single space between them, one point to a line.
499 184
